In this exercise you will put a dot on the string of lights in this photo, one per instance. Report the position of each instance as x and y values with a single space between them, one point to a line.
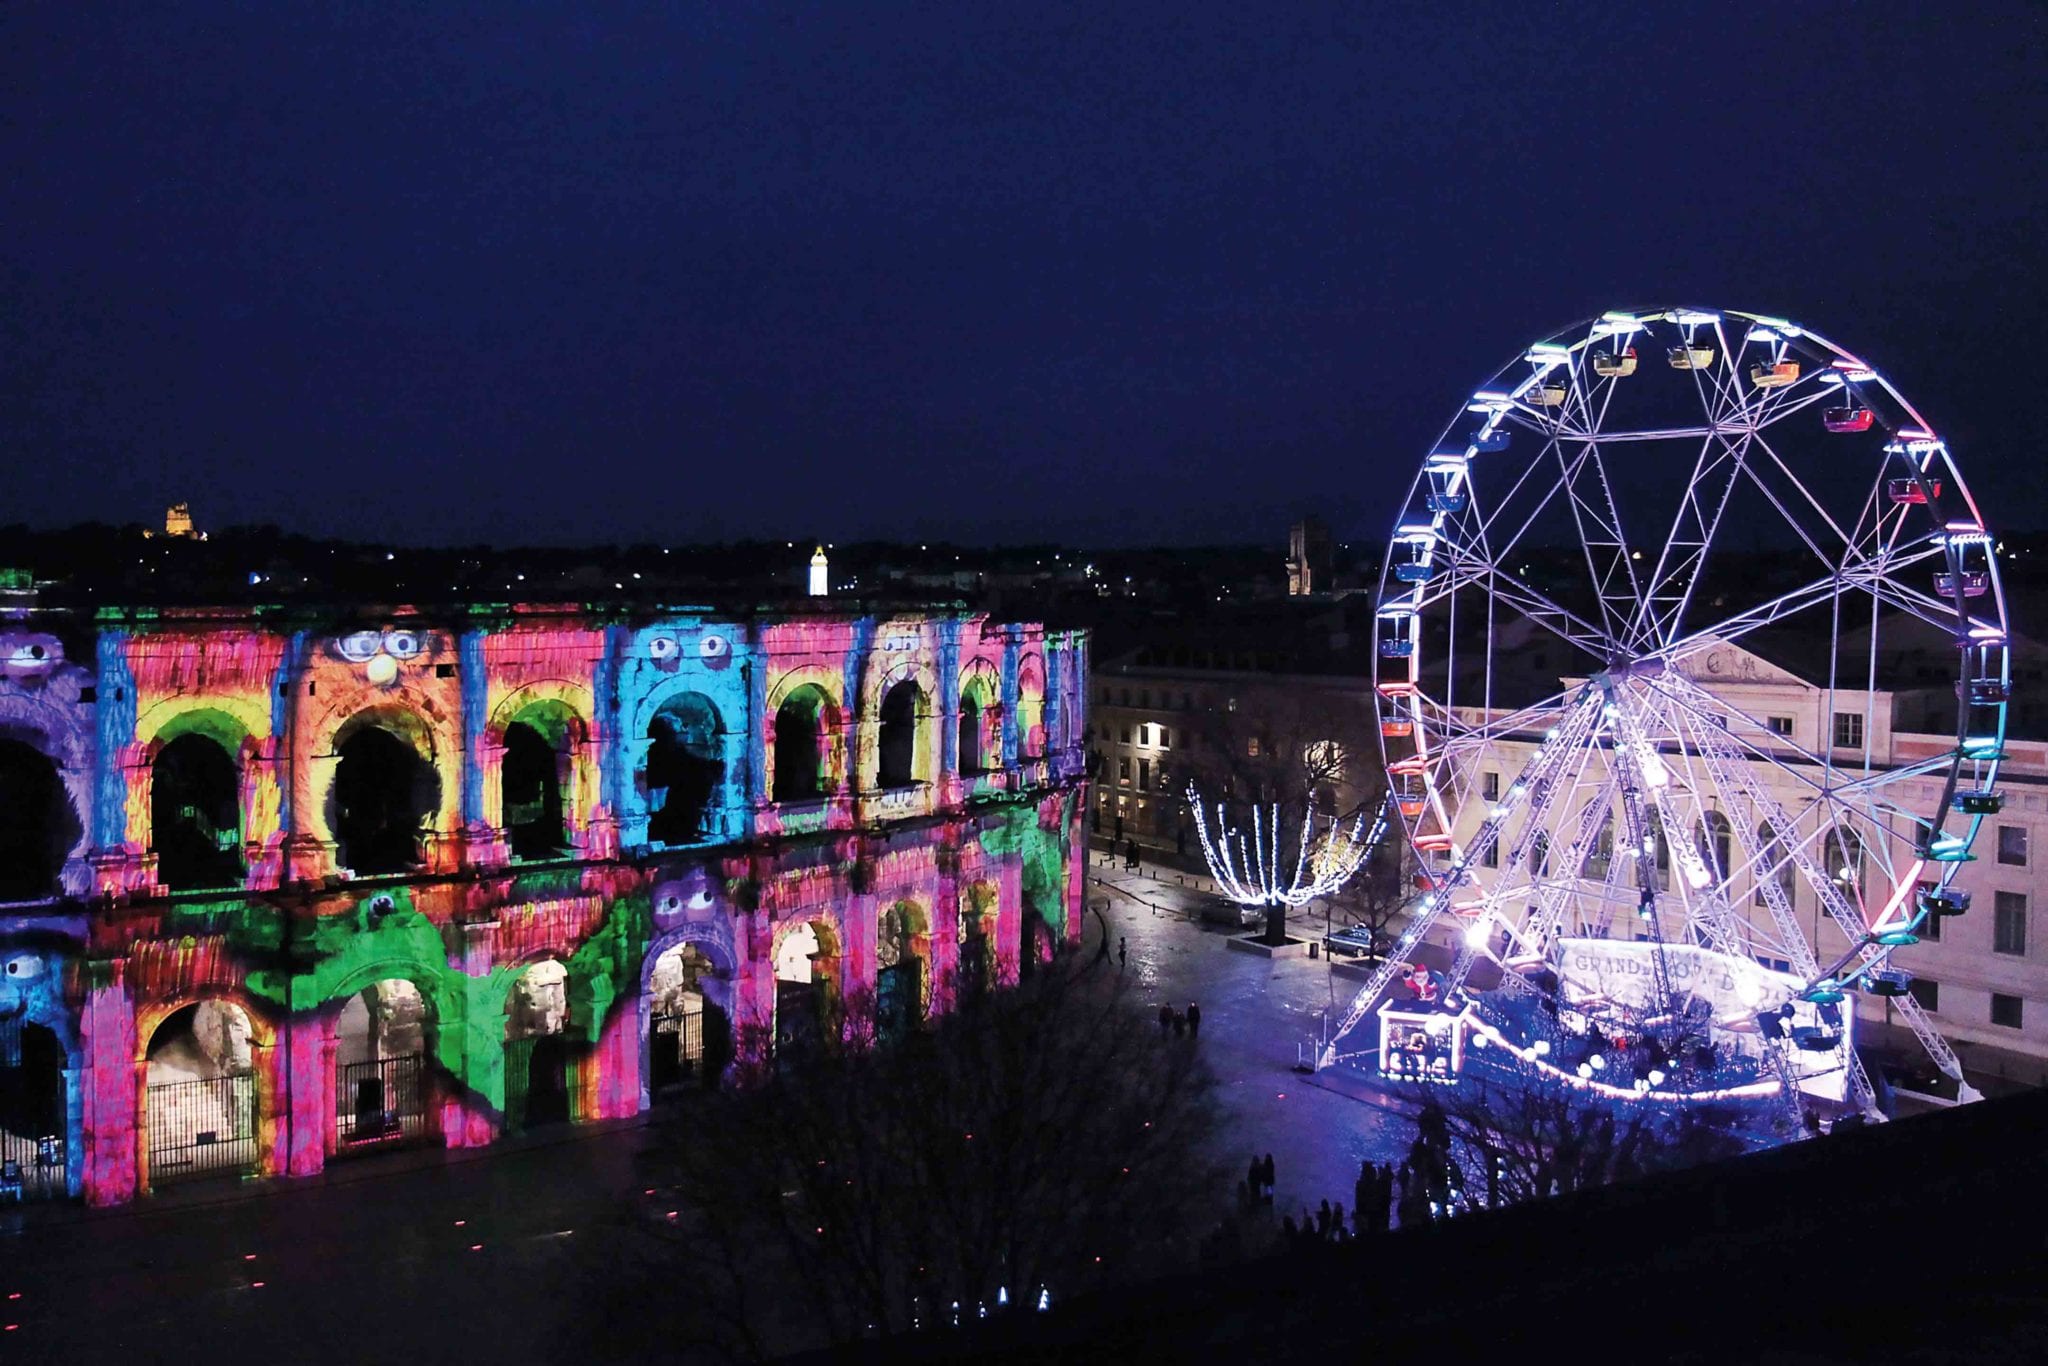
1249 869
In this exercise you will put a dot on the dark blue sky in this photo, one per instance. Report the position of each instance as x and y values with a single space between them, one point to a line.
1109 272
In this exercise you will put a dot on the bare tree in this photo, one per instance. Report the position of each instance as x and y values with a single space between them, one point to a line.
1540 1137
1376 893
1045 1136
1286 749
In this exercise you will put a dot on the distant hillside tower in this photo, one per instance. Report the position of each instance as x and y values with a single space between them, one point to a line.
178 522
821 574
1308 558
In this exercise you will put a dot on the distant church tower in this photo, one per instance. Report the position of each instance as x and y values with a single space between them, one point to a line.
1308 558
821 574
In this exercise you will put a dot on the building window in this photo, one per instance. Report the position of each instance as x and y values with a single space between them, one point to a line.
1126 734
2009 923
1123 771
1848 730
1162 739
1187 702
1251 747
1926 993
1782 725
1145 697
1144 775
1230 705
1124 696
2012 845
1489 787
2006 1011
1491 859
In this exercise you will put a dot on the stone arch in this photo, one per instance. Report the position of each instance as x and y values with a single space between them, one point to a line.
1031 705
698 1032
538 1065
809 1007
543 741
43 828
902 735
683 775
979 740
806 745
39 1062
195 809
387 790
980 904
903 962
383 1040
172 1112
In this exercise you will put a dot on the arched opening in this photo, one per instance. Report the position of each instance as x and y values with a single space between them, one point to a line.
1539 856
1031 708
976 970
201 1076
384 795
689 1022
535 824
537 1047
380 1062
971 760
685 764
897 737
195 814
1714 837
800 740
1602 858
40 826
902 954
806 991
32 1123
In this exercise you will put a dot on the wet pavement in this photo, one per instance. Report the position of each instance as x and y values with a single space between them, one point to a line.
1259 1015
491 1254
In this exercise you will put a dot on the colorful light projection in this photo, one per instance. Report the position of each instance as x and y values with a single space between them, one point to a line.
565 799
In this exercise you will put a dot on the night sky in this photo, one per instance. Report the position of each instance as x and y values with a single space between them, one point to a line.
1107 273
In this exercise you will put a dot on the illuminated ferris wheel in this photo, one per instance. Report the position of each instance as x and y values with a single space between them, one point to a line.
1692 681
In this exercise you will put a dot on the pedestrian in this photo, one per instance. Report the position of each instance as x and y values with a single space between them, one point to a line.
1194 1019
1118 836
1123 952
1165 1017
1180 1025
1266 1175
1362 1192
1323 1219
1130 855
1255 1177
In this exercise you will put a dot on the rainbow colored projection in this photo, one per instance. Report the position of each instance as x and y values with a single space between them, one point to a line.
275 890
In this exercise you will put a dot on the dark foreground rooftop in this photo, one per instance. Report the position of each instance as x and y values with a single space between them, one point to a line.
1923 1240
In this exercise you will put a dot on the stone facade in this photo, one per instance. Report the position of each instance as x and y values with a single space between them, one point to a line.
294 814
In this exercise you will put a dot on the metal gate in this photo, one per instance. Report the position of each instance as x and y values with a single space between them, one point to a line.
32 1168
202 1128
380 1103
676 1044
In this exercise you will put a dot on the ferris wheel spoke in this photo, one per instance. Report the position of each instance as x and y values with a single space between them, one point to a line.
1683 559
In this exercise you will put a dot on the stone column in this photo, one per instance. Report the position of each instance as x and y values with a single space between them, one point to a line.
109 1086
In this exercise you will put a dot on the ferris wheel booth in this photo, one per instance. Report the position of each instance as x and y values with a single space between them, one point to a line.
1748 1007
1422 1044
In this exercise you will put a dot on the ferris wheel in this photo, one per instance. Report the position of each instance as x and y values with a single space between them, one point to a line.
1692 673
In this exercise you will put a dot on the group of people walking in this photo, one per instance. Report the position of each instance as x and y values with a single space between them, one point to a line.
1180 1022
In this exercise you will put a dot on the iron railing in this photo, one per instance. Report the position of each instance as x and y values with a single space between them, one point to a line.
202 1128
32 1168
676 1044
380 1103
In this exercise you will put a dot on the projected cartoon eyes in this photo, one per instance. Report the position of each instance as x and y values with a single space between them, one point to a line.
663 647
380 652
713 647
359 647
